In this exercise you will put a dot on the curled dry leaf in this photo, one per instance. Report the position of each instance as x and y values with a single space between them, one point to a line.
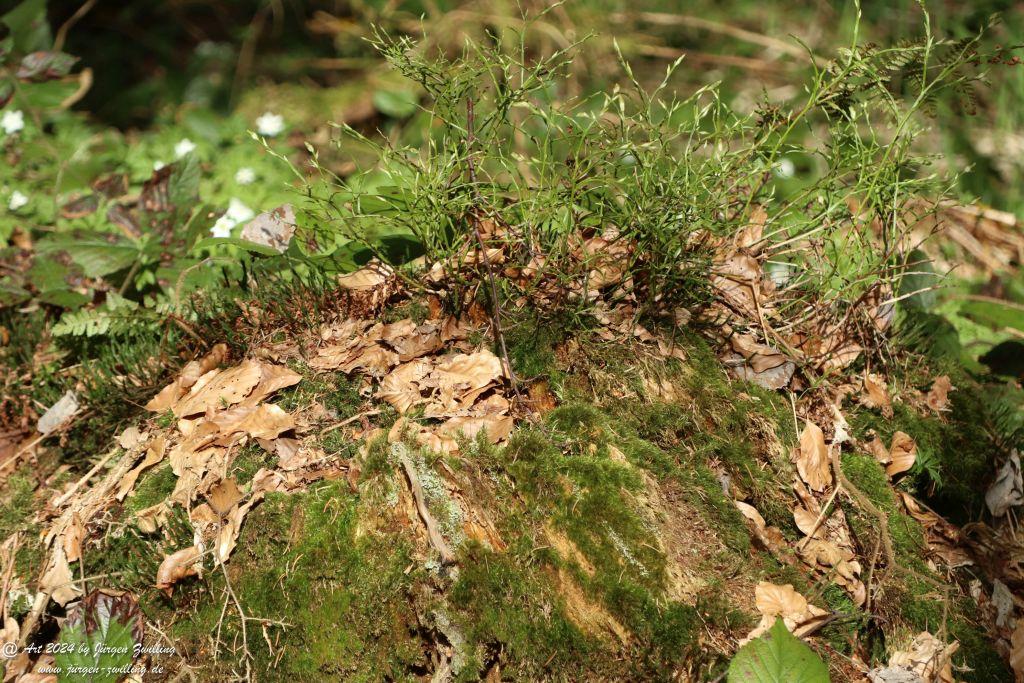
58 581
812 458
220 388
372 275
74 534
170 394
223 497
783 601
875 394
1008 489
928 657
938 396
902 454
176 567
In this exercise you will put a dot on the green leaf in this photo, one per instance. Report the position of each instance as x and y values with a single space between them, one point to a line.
777 657
45 96
253 247
398 104
97 254
11 294
998 315
183 185
28 26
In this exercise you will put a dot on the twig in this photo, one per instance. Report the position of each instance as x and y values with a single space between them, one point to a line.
331 428
474 221
89 475
436 539
246 655
62 32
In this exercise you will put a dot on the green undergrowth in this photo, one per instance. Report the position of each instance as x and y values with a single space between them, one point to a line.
915 603
596 505
955 448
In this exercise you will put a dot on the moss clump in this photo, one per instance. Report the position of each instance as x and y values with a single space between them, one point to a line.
249 460
504 605
954 451
153 487
347 600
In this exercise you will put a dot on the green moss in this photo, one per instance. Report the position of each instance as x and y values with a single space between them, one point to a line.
336 392
954 451
515 609
248 461
153 487
348 601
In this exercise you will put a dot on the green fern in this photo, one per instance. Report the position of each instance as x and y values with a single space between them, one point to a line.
117 316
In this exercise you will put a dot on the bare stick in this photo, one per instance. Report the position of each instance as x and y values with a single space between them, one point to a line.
436 539
474 220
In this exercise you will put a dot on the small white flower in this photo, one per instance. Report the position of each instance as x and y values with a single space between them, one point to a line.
222 228
183 147
245 176
270 124
12 121
16 201
239 212
157 165
784 168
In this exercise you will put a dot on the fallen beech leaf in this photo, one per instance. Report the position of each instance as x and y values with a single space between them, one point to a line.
192 371
875 394
876 448
365 278
73 536
773 601
751 513
938 396
902 454
928 657
176 567
812 459
1007 490
224 496
498 426
272 378
265 421
220 388
58 580
805 521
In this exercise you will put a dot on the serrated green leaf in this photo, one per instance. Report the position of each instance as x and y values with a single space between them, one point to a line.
777 657
97 254
28 25
11 294
183 185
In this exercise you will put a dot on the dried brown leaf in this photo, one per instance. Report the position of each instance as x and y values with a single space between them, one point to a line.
176 567
812 458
